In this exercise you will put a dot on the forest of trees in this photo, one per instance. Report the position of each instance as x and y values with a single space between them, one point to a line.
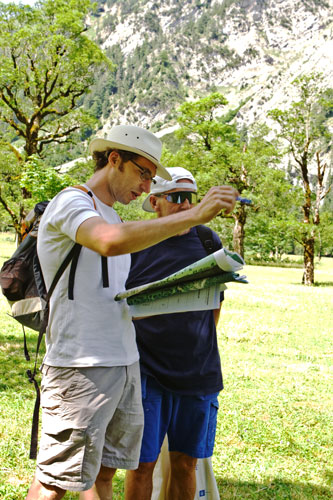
49 65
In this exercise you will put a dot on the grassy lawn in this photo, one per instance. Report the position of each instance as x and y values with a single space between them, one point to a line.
275 420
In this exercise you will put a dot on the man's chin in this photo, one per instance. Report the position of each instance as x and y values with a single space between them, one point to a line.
132 197
125 201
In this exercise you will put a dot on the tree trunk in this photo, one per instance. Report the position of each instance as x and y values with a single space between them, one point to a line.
238 233
308 247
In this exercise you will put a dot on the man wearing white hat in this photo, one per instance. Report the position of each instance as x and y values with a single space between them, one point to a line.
179 358
91 396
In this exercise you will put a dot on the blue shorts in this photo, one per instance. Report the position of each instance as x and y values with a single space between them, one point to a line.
189 421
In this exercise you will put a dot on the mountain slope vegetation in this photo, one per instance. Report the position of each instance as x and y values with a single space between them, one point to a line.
171 51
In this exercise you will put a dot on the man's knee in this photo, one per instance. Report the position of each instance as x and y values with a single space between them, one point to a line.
182 464
105 474
144 469
44 491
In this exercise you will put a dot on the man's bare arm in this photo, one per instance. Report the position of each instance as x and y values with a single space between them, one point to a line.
116 239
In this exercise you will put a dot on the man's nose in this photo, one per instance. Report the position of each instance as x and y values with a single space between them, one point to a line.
186 203
145 185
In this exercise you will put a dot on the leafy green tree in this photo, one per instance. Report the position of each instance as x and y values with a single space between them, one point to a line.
324 242
253 172
324 245
47 65
270 231
34 176
42 181
218 154
306 139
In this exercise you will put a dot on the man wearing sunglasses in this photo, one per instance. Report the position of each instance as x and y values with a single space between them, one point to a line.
179 358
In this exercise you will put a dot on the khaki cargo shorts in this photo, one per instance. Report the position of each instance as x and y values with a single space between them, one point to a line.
90 416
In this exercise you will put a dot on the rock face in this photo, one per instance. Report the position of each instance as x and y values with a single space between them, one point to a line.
169 51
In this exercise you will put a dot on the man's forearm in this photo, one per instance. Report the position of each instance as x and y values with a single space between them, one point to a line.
116 239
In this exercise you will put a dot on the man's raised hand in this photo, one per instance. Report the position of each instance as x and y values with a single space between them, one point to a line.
216 199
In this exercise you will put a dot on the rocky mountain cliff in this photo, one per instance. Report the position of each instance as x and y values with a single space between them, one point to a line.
169 51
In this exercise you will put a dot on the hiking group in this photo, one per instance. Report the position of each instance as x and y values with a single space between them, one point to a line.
96 415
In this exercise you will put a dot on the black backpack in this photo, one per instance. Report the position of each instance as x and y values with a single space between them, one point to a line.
21 278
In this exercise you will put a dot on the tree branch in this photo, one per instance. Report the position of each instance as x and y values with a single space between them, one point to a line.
13 149
7 100
10 212
14 125
56 138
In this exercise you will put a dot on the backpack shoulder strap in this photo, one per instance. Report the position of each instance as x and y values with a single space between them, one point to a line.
206 237
104 261
69 257
83 188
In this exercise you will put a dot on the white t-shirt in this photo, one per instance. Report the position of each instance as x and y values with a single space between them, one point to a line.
92 329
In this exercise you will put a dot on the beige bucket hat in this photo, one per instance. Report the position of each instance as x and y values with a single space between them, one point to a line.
135 139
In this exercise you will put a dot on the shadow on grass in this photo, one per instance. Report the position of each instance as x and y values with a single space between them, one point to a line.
13 365
323 283
316 284
231 490
276 489
19 491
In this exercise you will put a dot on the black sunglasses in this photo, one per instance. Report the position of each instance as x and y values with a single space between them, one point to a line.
180 196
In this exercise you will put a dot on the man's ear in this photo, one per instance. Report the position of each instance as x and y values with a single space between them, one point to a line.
153 202
114 157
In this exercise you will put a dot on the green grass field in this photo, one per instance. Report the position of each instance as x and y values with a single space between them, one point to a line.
274 438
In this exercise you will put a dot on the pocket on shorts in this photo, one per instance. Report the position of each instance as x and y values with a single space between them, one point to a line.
62 449
214 406
58 384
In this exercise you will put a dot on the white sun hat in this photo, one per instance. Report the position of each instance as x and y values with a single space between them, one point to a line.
135 139
161 185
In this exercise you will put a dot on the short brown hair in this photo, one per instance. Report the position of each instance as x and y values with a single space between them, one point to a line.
101 158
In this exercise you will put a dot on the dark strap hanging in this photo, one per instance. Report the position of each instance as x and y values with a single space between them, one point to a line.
105 274
32 374
25 346
35 418
76 254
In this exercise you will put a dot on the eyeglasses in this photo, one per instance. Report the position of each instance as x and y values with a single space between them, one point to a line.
180 196
145 174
